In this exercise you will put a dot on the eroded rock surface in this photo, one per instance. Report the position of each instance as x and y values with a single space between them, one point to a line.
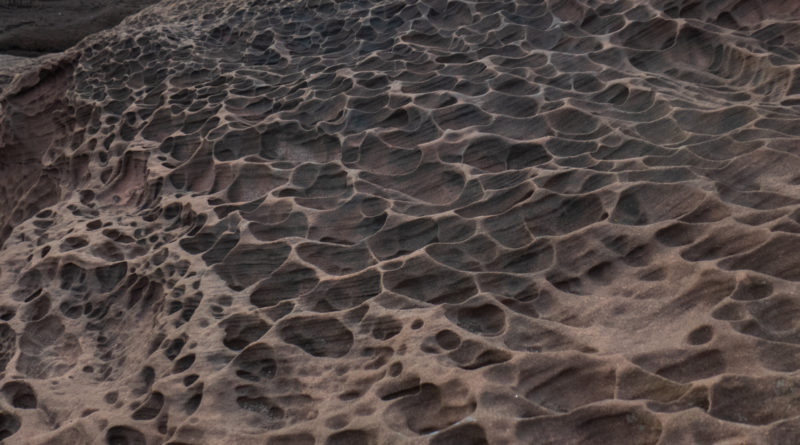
403 222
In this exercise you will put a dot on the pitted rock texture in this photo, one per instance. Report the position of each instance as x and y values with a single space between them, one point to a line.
406 222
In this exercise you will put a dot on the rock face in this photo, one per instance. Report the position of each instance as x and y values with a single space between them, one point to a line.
32 27
404 222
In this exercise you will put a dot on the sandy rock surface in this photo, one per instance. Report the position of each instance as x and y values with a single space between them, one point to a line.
406 222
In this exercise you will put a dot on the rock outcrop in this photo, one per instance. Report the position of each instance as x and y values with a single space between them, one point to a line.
404 222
